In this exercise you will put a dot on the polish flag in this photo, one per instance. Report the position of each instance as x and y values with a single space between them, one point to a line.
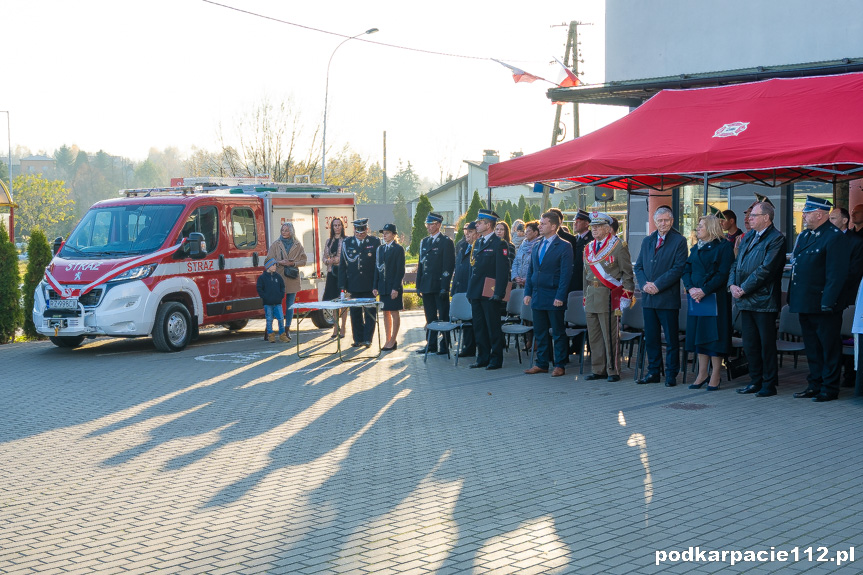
519 75
568 79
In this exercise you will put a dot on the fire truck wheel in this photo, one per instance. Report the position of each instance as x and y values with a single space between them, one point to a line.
236 325
323 318
173 328
67 341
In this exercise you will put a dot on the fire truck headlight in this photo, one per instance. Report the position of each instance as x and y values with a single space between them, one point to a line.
137 273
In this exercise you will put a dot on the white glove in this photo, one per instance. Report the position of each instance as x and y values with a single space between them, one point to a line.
625 303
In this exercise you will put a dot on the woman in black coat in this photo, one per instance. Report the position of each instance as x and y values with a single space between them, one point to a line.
389 275
706 273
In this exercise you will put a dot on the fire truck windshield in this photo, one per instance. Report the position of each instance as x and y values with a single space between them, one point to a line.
118 231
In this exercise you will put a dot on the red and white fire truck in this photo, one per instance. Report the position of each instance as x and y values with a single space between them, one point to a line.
165 261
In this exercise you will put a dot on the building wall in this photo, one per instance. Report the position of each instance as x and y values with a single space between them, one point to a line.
655 38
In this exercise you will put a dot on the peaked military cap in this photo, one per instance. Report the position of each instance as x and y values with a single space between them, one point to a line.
487 215
763 198
813 203
582 215
434 217
361 224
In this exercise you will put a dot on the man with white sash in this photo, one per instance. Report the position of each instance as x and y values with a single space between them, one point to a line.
608 289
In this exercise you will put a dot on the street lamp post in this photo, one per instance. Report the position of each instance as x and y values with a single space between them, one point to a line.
326 96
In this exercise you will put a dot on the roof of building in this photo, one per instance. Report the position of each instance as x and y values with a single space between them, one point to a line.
633 93
38 158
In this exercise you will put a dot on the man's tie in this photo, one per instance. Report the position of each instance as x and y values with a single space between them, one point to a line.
658 242
542 249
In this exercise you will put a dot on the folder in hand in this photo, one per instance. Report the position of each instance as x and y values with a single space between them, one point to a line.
488 289
705 308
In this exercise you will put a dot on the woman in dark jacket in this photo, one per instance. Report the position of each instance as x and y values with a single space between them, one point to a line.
706 273
389 275
332 256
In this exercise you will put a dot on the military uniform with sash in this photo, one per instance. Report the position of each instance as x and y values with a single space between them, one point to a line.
608 287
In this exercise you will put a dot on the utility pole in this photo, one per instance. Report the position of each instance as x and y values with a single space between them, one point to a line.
571 58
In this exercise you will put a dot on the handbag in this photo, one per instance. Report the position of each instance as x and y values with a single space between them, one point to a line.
737 366
292 272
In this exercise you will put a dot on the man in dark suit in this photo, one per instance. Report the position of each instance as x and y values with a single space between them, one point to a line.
571 240
545 291
356 276
581 227
819 273
460 277
755 283
489 261
434 274
657 271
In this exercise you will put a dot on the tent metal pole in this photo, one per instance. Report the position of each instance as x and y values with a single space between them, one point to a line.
705 194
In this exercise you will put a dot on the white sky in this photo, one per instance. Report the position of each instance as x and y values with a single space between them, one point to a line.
125 76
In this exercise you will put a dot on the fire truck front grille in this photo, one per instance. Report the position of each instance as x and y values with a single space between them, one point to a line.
90 299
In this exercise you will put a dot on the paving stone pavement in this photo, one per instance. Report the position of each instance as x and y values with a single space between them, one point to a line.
236 456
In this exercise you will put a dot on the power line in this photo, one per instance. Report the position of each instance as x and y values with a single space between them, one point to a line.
265 17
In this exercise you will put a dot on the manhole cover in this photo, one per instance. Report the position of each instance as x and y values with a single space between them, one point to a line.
687 406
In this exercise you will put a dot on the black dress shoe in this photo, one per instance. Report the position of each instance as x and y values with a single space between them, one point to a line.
357 344
477 365
806 394
822 397
466 354
422 351
749 389
491 367
649 379
765 393
613 378
592 376
673 382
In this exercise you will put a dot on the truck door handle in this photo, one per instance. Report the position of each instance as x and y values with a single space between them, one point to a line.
221 261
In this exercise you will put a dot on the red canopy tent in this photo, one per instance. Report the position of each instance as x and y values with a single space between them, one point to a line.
772 132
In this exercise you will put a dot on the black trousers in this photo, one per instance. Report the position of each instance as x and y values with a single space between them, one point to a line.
759 344
363 319
486 330
821 336
436 308
668 320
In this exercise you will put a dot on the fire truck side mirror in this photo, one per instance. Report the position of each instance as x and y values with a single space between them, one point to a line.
196 247
58 241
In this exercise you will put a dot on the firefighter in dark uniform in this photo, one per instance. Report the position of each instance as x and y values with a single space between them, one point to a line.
489 260
356 278
819 269
460 278
434 274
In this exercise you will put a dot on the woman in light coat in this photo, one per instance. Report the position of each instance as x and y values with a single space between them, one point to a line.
289 255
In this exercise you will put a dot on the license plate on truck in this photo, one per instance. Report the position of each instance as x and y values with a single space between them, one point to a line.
69 303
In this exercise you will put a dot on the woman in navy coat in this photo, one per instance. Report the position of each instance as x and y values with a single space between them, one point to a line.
706 272
389 275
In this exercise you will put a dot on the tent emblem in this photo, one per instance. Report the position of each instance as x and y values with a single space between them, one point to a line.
732 129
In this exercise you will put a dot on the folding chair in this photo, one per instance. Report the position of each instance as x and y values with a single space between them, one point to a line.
576 318
789 325
445 327
460 312
632 330
520 329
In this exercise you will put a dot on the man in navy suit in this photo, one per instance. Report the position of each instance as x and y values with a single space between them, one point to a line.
545 291
657 273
